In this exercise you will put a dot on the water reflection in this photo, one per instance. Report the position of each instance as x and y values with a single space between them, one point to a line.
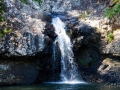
47 86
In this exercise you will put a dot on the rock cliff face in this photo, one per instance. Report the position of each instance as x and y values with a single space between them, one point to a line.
26 52
29 35
90 32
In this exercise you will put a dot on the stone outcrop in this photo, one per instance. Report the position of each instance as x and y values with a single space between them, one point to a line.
113 48
33 36
109 70
27 37
110 48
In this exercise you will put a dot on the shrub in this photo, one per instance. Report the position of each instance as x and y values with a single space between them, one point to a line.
110 37
113 11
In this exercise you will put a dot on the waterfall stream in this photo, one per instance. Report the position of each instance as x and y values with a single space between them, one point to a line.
68 66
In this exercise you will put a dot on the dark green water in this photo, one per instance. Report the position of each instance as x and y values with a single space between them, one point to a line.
48 86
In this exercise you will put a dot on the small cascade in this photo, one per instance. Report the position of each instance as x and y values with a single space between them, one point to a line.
68 66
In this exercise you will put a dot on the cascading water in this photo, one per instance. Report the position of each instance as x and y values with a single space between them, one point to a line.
68 66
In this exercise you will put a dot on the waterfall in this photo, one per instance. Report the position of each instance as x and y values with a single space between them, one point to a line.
68 66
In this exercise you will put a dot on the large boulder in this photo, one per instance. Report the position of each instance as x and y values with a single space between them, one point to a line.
16 73
109 70
27 37
110 47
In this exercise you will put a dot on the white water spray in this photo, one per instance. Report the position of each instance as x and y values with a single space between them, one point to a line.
68 66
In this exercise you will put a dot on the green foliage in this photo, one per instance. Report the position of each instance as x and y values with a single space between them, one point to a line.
25 1
115 1
6 31
109 13
2 10
1 34
110 37
115 10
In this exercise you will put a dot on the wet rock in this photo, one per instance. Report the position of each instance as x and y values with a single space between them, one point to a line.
63 17
50 31
48 17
